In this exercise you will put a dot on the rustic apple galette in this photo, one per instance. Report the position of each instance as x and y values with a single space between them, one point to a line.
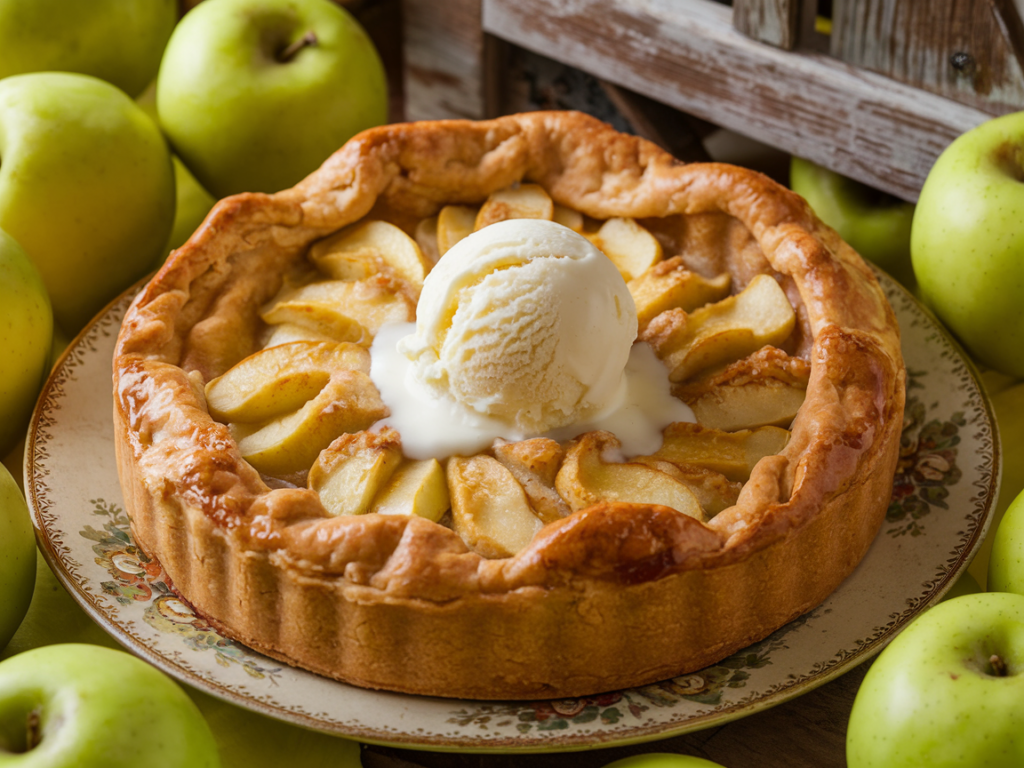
519 408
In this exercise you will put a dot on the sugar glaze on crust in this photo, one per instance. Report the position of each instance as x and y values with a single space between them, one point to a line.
613 596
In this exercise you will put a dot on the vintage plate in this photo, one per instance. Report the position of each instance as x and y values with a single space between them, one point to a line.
943 492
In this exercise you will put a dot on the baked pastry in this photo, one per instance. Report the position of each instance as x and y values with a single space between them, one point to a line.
402 602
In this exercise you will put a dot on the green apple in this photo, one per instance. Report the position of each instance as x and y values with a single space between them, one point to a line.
86 187
967 239
662 760
84 706
1006 561
256 94
26 334
1008 405
17 557
53 617
245 739
119 41
876 224
947 691
192 204
966 584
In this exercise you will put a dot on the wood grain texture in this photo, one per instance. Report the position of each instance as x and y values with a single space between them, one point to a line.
959 49
807 732
688 55
444 60
771 21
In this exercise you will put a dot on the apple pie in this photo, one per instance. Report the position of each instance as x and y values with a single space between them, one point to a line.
266 466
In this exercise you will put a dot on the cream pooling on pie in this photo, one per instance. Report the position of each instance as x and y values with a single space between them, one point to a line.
524 328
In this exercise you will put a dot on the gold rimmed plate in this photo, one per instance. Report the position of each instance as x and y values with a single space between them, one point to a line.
942 495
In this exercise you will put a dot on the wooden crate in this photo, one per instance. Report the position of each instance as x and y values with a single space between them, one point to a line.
877 99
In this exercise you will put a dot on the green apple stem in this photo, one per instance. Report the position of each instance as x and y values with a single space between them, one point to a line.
289 53
998 665
33 730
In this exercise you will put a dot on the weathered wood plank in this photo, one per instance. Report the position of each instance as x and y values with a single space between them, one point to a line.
959 49
775 22
688 55
444 59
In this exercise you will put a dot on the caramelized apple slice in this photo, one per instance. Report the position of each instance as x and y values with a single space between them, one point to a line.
454 222
348 403
358 251
490 511
534 463
280 379
586 478
348 474
732 454
756 403
568 217
371 303
670 285
286 333
319 320
721 332
632 249
426 239
713 490
416 488
526 201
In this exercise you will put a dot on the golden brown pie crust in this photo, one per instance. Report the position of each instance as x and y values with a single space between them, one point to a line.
613 596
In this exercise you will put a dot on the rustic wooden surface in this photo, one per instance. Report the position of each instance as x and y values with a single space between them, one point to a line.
960 49
688 55
445 54
775 22
806 732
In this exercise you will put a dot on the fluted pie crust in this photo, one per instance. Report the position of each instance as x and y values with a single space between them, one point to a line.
613 596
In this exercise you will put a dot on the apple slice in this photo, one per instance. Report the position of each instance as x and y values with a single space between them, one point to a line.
632 248
534 463
280 379
290 443
286 333
766 388
670 285
363 249
371 303
568 217
586 478
718 333
713 490
426 237
416 488
490 511
353 468
525 201
732 454
320 321
454 222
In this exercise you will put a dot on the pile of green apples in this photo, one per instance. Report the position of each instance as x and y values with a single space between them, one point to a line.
949 690
121 124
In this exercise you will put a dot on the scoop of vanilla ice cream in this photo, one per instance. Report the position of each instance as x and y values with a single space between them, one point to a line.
527 322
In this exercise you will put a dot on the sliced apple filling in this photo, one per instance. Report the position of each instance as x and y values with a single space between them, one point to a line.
367 473
766 388
339 310
366 248
304 405
715 334
285 404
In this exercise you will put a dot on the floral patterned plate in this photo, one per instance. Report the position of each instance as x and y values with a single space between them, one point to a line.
943 491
